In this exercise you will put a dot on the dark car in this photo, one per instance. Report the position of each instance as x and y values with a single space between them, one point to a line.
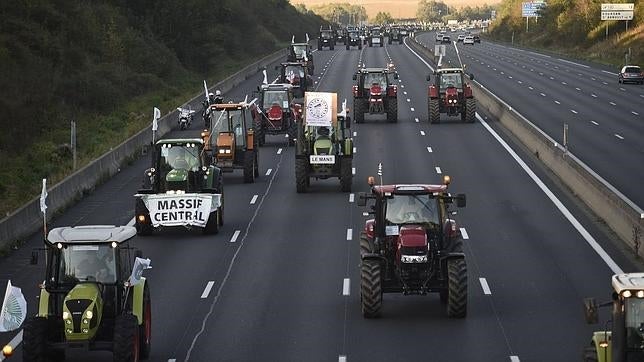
446 39
631 73
477 39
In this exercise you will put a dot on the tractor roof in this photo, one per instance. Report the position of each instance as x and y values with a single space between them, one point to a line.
229 106
449 70
374 70
179 140
299 44
277 86
630 281
90 234
409 189
285 64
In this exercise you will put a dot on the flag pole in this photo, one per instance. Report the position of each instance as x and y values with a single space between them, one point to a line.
43 206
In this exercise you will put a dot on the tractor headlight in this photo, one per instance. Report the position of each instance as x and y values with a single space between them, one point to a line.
66 315
89 314
627 294
85 330
640 294
68 330
412 259
224 151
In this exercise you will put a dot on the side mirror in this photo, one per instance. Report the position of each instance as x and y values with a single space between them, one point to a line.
355 76
472 76
34 258
590 311
362 199
461 201
396 75
429 77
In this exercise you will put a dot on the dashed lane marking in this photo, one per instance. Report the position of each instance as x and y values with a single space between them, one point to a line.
573 111
416 120
349 234
351 197
595 123
342 358
355 134
543 94
253 200
514 359
612 103
619 136
422 133
635 113
279 151
429 149
438 170
207 290
557 102
485 286
464 234
268 172
353 170
235 236
412 109
593 95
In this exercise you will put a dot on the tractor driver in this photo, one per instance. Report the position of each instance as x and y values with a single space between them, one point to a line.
410 209
450 80
180 158
92 267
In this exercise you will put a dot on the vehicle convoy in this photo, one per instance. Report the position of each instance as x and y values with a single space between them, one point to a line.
412 246
375 93
376 37
450 94
630 73
93 296
235 147
181 188
301 53
323 146
297 75
396 35
326 38
353 39
277 113
624 341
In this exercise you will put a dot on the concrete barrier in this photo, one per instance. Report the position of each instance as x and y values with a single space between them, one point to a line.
28 219
622 215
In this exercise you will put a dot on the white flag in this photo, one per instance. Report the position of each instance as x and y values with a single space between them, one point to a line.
205 88
14 309
140 265
344 108
307 37
43 196
293 39
265 77
157 115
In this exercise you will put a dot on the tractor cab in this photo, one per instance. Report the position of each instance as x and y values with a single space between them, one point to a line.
277 112
375 93
178 165
450 93
301 53
233 131
297 75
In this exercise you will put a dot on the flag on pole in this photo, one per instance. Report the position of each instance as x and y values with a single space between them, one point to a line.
307 37
14 309
344 108
293 39
43 196
140 265
157 115
265 77
205 88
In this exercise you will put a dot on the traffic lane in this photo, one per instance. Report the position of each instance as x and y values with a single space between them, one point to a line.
459 146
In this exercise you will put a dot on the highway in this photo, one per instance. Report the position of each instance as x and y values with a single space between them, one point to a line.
280 282
605 118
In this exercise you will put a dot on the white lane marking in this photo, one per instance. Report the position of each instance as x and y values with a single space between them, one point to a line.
438 170
557 102
577 88
542 94
520 82
416 120
355 134
279 151
604 83
235 236
422 133
612 103
595 123
253 200
552 78
569 62
642 95
464 234
172 360
402 86
429 149
485 287
207 290
593 78
635 113
564 83
573 111
131 222
412 109
15 341
593 95
530 88
514 359
346 287
619 136
342 358
607 72
405 92
509 77
353 170
349 234
351 197
566 213
268 172
408 100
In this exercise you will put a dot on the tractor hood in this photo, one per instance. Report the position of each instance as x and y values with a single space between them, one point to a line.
323 146
177 175
412 236
82 311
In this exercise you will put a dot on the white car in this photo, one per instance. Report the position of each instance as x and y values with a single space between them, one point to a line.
439 36
468 40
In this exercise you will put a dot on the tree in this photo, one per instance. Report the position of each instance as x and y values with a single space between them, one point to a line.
431 11
383 18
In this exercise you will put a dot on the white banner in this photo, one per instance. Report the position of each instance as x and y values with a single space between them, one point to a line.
320 108
14 309
179 210
617 15
155 119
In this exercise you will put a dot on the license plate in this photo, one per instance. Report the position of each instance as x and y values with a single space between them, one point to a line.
322 160
376 40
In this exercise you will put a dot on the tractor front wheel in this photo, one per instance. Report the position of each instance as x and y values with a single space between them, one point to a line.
456 288
126 338
34 340
346 174
434 111
370 288
301 175
249 166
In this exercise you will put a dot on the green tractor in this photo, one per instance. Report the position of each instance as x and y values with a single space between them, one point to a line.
181 188
93 296
324 147
624 341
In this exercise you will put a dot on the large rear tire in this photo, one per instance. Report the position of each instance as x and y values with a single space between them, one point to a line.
358 110
346 174
392 110
365 245
370 288
145 329
457 288
470 110
249 166
434 111
126 339
34 340
301 175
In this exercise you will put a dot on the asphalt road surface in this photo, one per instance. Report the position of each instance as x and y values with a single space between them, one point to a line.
280 282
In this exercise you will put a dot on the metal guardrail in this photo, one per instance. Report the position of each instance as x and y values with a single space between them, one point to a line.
619 213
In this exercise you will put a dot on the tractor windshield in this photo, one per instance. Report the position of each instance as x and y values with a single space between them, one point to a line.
272 98
451 80
354 35
294 71
375 78
326 35
87 263
411 209
634 311
300 51
179 157
237 124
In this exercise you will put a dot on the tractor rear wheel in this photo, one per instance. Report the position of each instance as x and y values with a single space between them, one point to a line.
346 174
301 175
212 226
126 338
261 135
249 166
145 329
34 340
470 110
370 288
433 111
358 110
392 110
457 288
365 245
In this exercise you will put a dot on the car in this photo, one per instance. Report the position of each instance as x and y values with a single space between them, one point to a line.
468 40
477 39
446 39
631 73
439 36
460 38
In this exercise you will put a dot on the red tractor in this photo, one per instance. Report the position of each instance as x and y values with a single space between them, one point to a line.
276 112
412 246
452 95
375 93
